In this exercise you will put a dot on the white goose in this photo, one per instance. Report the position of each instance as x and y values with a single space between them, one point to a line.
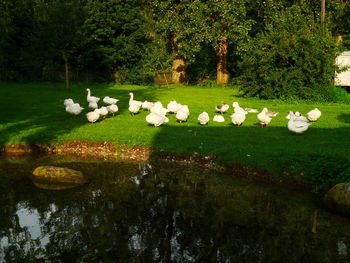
74 109
222 108
271 113
238 118
158 109
156 119
147 105
173 106
109 100
66 102
264 118
238 108
297 126
93 116
112 109
183 113
314 114
134 108
203 118
158 104
134 102
90 98
93 105
103 111
299 117
181 116
185 109
218 118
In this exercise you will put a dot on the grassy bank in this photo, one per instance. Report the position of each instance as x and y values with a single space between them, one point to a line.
34 113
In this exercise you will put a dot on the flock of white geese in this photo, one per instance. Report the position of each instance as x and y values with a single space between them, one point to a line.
157 113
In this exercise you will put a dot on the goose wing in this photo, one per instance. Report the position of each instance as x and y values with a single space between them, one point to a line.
300 124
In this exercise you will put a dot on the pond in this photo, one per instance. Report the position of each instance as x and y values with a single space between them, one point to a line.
162 212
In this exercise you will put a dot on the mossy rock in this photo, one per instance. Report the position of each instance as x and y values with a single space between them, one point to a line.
57 178
338 198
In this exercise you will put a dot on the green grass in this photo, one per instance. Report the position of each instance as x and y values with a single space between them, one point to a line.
34 113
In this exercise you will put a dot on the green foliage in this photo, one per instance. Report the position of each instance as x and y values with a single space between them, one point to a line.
197 26
227 19
185 21
340 95
16 26
57 33
321 94
117 41
292 54
323 171
129 41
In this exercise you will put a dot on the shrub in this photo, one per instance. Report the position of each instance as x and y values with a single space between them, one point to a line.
340 95
292 58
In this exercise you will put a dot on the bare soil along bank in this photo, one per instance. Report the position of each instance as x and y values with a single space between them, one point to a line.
83 150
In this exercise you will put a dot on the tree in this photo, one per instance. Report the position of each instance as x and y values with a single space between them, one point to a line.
16 25
5 30
191 24
58 32
183 23
116 37
227 23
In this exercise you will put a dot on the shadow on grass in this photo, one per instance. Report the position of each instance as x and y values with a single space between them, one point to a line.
343 117
35 112
273 148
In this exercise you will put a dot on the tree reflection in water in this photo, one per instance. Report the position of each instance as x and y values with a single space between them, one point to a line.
161 213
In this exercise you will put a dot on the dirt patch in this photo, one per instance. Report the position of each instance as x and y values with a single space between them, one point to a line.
81 150
23 149
135 153
78 149
205 161
85 150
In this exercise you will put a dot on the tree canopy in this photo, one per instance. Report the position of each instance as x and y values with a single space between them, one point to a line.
133 40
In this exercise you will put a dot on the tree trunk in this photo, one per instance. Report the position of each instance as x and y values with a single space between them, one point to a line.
66 70
323 11
222 75
179 68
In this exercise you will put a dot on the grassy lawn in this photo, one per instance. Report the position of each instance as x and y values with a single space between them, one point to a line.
34 113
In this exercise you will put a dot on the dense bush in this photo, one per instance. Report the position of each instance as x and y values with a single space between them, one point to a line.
293 58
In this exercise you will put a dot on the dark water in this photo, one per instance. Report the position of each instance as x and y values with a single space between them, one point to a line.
162 213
